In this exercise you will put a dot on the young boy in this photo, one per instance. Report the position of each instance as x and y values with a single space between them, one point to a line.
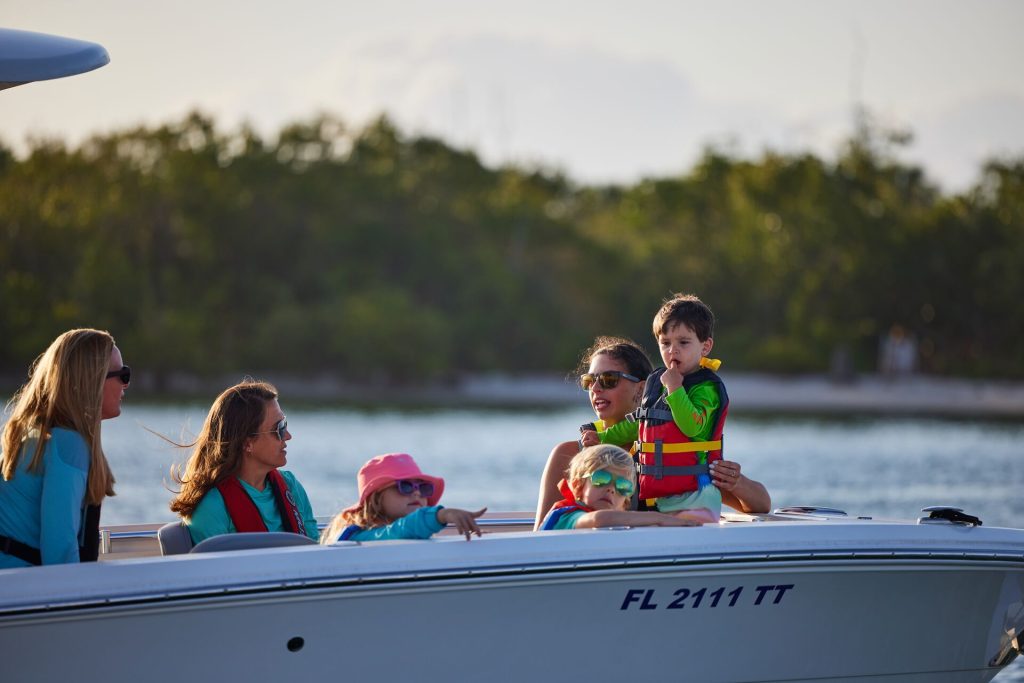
678 427
601 480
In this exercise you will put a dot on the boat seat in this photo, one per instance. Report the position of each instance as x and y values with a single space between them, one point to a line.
250 541
174 539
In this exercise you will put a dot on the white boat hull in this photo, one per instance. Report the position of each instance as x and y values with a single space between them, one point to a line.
736 602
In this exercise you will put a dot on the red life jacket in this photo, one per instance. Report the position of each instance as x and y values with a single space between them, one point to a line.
563 507
668 461
246 516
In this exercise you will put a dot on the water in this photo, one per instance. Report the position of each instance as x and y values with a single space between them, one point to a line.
883 468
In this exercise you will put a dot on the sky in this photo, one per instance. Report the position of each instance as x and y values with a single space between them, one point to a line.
602 91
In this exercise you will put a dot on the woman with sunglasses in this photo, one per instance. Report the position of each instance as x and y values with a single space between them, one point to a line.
55 475
397 501
232 482
613 371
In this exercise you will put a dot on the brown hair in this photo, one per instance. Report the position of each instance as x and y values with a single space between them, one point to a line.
685 309
233 418
369 515
626 351
64 389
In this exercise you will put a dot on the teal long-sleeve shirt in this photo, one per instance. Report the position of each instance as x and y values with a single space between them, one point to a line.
43 509
211 518
693 412
420 524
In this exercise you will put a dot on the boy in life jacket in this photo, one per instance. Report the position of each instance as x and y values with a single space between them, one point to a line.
601 481
677 431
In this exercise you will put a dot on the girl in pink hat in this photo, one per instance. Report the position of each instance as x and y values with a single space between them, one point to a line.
397 501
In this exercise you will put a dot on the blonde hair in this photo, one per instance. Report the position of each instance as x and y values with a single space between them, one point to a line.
64 389
594 458
233 418
367 516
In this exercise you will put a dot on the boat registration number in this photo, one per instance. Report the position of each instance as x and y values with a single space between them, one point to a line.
685 598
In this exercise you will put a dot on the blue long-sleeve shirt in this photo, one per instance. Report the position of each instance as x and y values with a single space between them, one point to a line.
420 524
43 509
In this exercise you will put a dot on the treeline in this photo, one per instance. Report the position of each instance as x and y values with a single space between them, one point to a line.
376 256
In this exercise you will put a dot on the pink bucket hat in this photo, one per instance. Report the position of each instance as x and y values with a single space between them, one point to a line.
384 470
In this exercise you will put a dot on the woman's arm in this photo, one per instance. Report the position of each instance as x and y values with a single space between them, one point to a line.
739 491
64 485
554 471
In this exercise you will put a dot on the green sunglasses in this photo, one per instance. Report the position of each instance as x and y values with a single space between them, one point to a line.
603 477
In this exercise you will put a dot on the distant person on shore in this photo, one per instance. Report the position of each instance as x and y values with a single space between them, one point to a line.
232 481
397 501
596 493
613 373
897 354
55 474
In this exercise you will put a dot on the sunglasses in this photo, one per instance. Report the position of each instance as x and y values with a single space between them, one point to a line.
281 428
608 379
124 374
409 486
603 477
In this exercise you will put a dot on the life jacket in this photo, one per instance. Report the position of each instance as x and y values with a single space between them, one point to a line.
563 507
246 516
88 551
668 461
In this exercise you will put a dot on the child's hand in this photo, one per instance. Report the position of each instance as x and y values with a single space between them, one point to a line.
671 379
463 520
589 437
698 516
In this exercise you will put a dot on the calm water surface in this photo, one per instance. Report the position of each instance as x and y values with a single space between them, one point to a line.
882 468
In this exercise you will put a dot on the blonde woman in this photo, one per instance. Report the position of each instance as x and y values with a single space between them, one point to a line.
55 475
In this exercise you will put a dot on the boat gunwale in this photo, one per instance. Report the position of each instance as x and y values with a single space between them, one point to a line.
974 560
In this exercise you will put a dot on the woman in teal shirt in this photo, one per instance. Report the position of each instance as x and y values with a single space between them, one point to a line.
231 482
55 475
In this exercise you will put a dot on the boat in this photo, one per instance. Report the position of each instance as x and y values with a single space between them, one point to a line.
800 594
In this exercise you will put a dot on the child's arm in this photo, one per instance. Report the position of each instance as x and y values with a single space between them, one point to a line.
603 518
694 412
622 433
463 520
420 524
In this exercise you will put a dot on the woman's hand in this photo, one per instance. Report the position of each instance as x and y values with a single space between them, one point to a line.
725 474
463 520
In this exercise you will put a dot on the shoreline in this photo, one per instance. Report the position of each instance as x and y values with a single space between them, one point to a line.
750 393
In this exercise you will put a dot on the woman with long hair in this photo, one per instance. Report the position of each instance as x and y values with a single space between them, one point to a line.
55 475
232 482
613 371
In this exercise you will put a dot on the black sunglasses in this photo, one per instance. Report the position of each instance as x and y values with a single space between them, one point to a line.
280 429
124 374
606 380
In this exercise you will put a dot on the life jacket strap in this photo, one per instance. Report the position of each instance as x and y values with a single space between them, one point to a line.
661 471
20 550
687 447
651 414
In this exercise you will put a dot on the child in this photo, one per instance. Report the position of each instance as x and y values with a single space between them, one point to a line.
678 427
396 500
601 480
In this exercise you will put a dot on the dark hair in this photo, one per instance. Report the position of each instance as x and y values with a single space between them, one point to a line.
688 310
218 452
626 351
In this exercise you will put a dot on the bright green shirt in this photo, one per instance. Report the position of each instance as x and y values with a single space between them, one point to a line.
693 412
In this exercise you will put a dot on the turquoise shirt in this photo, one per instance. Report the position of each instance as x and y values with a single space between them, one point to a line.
43 509
568 520
421 524
211 517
